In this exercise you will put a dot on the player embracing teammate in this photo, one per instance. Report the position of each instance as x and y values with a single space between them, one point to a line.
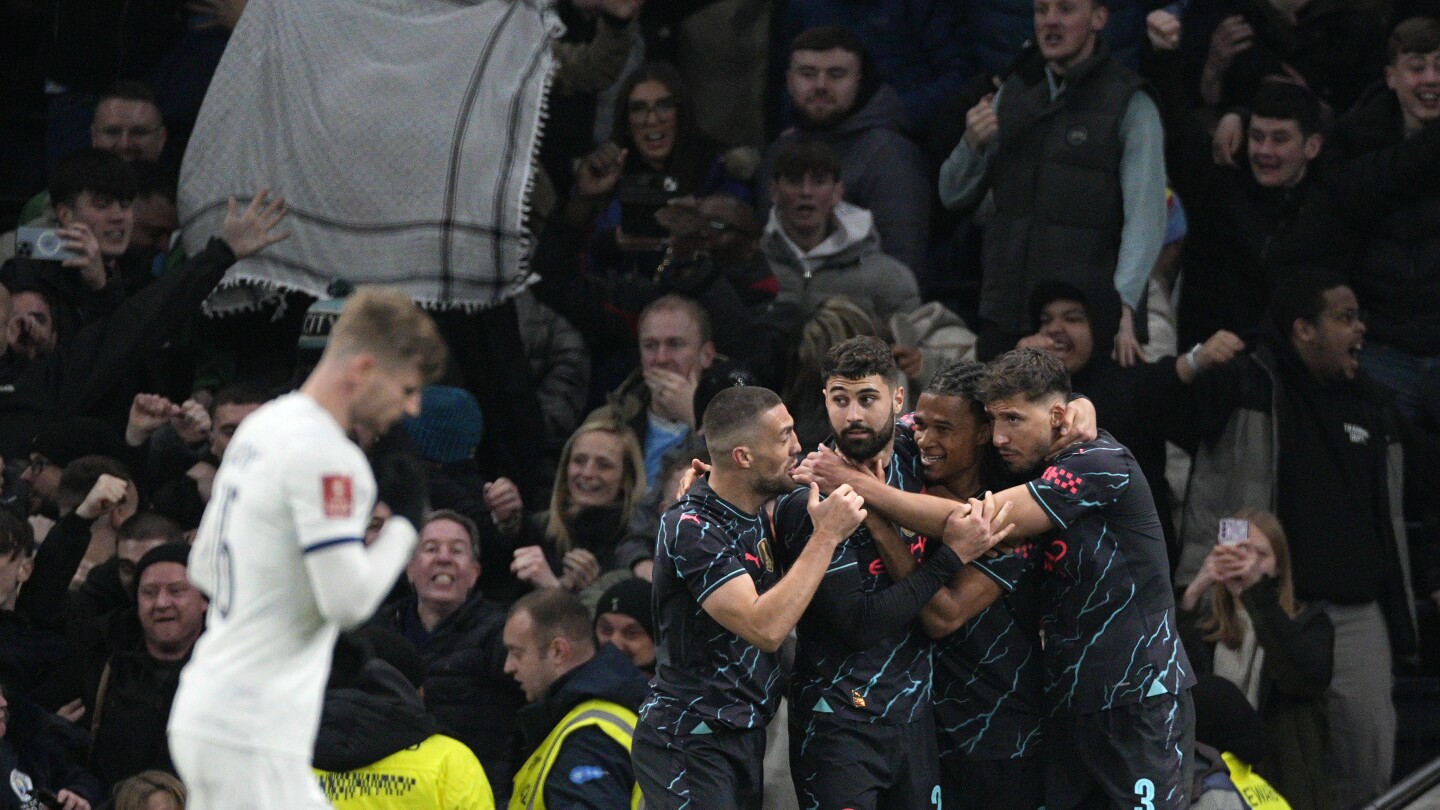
1099 715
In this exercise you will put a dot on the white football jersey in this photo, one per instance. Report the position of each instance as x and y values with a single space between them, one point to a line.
291 483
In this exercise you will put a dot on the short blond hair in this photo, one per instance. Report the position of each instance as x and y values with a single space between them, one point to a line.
133 793
387 324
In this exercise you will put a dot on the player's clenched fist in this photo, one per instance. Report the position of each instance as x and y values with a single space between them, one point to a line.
837 516
108 492
981 124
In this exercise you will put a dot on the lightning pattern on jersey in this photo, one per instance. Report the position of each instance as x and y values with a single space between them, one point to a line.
989 676
1109 616
707 677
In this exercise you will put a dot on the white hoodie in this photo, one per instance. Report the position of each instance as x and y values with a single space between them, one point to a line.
848 262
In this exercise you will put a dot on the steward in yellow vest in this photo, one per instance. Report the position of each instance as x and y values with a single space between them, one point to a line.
378 749
440 773
1257 792
578 727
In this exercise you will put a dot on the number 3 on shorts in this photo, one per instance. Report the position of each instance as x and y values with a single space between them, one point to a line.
935 797
1145 792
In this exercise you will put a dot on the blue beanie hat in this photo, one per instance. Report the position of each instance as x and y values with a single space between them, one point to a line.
449 426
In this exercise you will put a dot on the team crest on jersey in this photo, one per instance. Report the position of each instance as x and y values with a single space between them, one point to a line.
21 784
766 556
339 491
857 698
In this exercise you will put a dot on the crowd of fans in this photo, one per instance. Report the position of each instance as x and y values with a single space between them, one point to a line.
1223 217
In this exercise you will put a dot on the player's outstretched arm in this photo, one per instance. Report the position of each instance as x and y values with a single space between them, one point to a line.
766 619
1026 513
861 618
349 579
943 609
966 594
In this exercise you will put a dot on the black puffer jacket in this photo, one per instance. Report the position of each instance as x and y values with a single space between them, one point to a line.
1398 274
466 687
129 692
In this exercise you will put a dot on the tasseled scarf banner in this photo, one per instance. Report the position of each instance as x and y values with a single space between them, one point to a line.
401 133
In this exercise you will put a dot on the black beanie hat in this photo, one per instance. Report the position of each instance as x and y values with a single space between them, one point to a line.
168 552
629 597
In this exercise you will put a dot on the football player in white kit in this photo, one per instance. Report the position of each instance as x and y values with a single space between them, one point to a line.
281 554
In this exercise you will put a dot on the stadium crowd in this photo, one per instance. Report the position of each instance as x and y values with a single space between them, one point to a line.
1159 286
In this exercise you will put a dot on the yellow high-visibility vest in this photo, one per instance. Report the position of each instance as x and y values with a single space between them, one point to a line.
1252 786
439 772
615 720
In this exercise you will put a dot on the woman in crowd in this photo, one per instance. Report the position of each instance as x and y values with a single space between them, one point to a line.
600 479
1277 651
655 153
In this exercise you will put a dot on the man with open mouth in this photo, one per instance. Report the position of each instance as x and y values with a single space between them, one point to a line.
1398 272
1298 428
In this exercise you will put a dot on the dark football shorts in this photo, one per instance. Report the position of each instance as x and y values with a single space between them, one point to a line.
723 769
993 784
844 765
1135 757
